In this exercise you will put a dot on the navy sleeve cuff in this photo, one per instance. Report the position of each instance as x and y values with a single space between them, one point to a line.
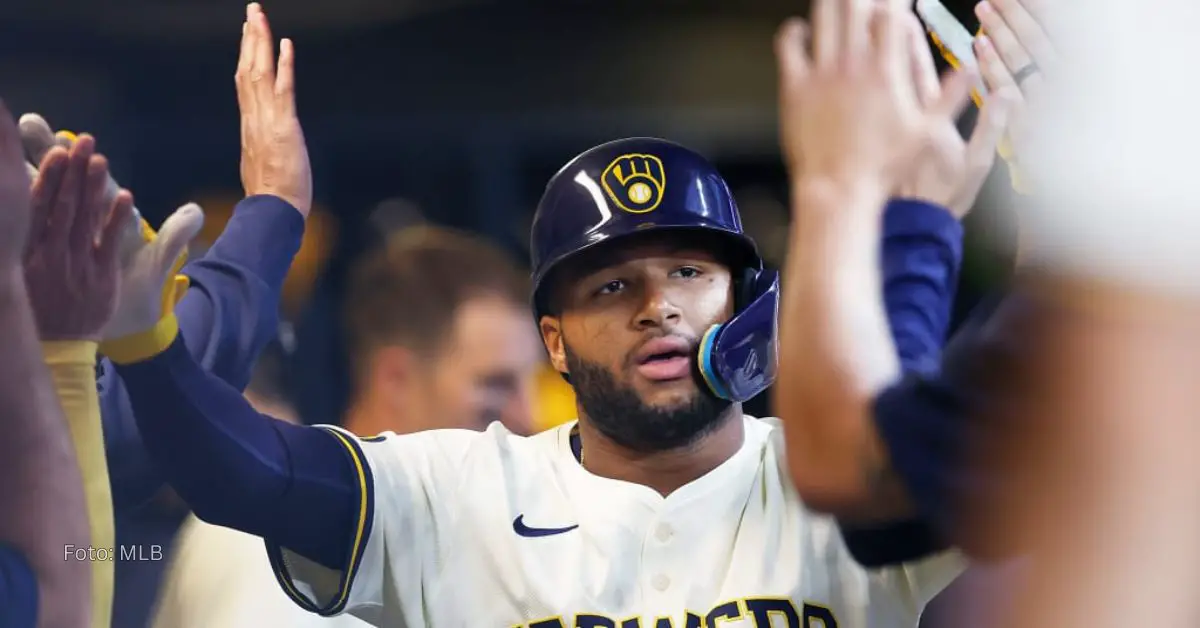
263 235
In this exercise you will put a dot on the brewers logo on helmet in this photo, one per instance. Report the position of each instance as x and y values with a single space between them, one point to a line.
635 182
636 185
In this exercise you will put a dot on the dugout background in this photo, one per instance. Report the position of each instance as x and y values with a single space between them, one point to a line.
462 108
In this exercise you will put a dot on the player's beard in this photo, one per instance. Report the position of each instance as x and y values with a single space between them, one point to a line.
618 412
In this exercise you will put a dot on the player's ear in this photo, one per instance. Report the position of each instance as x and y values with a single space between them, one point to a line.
393 368
551 329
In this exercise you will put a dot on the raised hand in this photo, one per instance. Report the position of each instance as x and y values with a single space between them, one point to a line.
71 265
145 295
14 196
38 137
274 155
950 171
850 112
1015 55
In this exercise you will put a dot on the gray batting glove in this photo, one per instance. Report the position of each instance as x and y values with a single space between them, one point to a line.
145 254
38 138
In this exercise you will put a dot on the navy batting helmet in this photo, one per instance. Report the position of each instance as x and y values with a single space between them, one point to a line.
637 185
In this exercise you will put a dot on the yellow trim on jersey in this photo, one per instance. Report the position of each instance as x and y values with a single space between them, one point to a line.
365 512
143 345
72 368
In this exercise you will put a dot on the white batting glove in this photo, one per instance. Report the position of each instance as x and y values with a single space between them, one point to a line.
151 285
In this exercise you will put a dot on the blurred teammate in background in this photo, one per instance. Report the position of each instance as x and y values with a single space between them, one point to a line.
1104 466
1000 51
1064 425
42 502
439 335
227 304
70 206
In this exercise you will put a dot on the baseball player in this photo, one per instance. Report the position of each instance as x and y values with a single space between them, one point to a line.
663 504
42 499
227 306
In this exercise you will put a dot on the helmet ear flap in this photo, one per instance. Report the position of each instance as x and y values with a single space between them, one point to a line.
745 288
738 358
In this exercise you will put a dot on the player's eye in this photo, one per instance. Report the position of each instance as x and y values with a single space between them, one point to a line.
611 287
687 272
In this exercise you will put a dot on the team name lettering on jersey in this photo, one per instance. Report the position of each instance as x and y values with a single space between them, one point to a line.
757 612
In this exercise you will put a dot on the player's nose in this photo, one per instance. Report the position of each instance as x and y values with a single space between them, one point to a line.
657 310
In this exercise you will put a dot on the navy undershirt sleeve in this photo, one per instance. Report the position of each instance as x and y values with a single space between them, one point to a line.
929 421
921 256
228 314
292 485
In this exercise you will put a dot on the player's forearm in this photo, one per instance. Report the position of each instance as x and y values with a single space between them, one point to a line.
835 346
234 466
922 252
229 313
72 368
231 310
43 500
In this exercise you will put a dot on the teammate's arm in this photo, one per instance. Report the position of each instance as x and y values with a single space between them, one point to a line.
920 259
921 254
230 311
234 466
836 349
228 314
42 505
238 468
43 511
835 312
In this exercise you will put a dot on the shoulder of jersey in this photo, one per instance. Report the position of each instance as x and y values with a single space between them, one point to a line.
497 437
545 442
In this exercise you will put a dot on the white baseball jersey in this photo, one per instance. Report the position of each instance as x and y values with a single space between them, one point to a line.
492 529
220 578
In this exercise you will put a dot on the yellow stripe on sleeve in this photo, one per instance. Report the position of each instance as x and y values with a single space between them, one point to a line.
279 563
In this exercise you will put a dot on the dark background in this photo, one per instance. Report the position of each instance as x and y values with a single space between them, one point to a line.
463 107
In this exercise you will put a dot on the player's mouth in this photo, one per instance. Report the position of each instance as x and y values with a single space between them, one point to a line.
665 359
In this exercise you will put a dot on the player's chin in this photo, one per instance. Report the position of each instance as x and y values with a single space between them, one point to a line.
668 394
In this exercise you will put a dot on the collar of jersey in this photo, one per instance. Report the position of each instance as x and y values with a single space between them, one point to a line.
721 481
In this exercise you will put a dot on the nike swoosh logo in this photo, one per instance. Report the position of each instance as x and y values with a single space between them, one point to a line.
523 530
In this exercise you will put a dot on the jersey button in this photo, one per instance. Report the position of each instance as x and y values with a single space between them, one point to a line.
663 533
661 582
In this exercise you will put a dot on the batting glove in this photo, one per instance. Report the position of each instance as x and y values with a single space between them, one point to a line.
144 323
